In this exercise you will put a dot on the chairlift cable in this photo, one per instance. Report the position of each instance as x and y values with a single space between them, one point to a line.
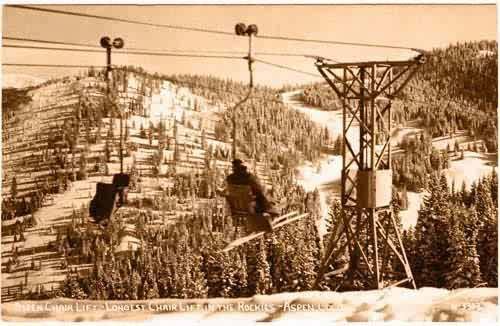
287 68
122 20
205 30
187 51
160 54
25 39
9 64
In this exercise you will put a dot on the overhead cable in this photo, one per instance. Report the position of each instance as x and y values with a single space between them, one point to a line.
160 54
205 30
24 39
45 41
373 45
122 20
50 65
288 68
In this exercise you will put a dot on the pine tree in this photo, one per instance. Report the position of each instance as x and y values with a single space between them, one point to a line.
237 268
489 251
13 188
289 266
107 151
409 241
483 200
488 221
127 132
203 139
404 199
334 217
431 235
464 195
150 135
463 261
444 186
308 257
149 285
165 277
72 289
216 267
114 284
142 132
111 133
488 233
134 285
259 278
493 181
276 257
197 283
97 283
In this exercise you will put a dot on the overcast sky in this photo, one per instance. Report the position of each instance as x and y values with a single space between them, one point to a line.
418 26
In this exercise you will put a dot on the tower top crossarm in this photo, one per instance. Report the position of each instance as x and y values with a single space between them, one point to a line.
347 74
419 59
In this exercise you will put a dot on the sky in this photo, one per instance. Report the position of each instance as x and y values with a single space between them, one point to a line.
416 26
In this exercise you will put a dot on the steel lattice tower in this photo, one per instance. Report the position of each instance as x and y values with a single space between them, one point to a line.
366 90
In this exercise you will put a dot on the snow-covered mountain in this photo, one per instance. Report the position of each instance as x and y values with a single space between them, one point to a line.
19 80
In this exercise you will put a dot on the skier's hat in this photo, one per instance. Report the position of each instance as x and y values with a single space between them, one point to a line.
237 162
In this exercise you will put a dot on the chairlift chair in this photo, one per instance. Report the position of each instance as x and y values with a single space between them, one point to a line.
104 202
242 204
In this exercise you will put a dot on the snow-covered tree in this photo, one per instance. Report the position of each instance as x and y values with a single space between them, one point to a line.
463 261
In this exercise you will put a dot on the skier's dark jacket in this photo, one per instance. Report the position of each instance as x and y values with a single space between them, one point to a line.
240 176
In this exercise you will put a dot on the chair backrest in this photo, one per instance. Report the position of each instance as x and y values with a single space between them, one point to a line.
104 202
241 199
121 180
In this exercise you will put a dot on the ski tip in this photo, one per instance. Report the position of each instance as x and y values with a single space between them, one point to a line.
223 250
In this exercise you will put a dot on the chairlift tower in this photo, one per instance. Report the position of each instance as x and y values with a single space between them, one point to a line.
366 90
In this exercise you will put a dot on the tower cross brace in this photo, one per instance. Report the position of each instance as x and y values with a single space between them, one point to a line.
367 229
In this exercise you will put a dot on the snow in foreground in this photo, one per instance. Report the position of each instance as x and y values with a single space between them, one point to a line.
395 304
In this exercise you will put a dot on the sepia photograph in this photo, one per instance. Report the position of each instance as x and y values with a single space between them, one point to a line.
249 162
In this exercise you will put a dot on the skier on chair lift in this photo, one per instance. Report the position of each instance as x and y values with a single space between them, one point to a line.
260 206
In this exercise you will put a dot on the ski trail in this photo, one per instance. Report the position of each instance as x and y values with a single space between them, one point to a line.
49 218
324 175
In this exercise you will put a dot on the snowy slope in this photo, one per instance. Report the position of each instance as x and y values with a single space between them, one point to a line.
327 179
473 167
19 80
395 304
